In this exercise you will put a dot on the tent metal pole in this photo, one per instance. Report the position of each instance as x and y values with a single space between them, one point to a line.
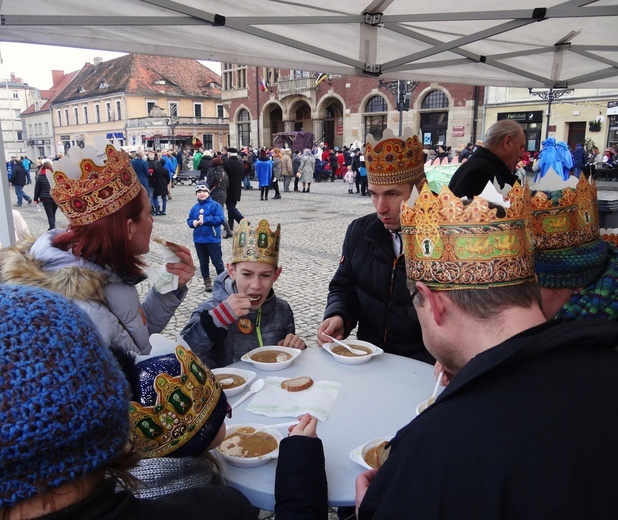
7 229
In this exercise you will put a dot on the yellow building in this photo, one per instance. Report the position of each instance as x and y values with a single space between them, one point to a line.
143 101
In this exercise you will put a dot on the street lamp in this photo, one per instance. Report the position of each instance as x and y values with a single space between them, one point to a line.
402 90
550 95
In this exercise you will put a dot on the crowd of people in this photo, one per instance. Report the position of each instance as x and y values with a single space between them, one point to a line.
507 289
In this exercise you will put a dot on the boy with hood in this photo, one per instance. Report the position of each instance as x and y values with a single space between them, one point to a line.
244 311
206 218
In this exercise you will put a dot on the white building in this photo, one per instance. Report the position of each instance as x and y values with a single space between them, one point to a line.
15 97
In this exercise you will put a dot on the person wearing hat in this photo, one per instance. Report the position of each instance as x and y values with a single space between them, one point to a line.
64 408
206 218
369 288
576 269
235 172
306 169
514 434
98 260
244 311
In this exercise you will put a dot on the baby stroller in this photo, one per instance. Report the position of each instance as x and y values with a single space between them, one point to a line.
322 171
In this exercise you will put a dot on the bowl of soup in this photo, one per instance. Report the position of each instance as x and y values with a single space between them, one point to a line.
343 355
233 381
245 448
271 358
373 453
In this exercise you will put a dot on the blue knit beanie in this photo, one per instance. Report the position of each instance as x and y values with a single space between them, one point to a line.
63 397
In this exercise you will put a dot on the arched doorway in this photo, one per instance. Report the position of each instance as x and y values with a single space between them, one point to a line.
375 117
300 114
274 122
333 124
434 119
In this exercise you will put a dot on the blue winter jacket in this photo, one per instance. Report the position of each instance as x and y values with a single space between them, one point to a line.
264 171
212 213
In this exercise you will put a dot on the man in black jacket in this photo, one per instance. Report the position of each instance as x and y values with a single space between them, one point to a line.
504 147
18 180
514 434
369 287
235 172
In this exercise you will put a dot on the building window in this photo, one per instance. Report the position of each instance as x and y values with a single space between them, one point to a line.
15 94
174 109
435 99
59 118
234 76
243 128
220 113
207 141
108 109
76 113
149 106
86 115
118 111
197 110
434 120
30 129
375 117
20 135
97 113
66 116
40 128
46 128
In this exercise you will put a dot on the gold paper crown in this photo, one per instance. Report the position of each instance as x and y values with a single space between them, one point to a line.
566 217
256 245
184 403
394 160
99 191
450 245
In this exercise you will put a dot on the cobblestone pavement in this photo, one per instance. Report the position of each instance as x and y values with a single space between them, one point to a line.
313 226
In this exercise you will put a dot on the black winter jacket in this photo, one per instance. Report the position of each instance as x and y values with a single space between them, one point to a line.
472 176
18 175
235 172
42 187
525 430
369 288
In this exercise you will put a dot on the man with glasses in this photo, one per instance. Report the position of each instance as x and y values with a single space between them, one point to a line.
503 148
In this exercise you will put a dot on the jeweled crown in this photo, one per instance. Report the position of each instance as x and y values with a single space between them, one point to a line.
183 405
564 213
394 160
609 235
256 245
87 191
450 243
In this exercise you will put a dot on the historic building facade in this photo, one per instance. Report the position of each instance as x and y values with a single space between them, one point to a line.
339 110
15 97
142 101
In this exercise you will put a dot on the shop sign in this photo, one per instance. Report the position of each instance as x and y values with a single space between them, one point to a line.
535 116
65 137
612 108
459 131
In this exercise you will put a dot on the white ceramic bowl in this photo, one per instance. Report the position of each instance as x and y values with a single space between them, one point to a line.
294 352
358 454
354 360
248 375
251 462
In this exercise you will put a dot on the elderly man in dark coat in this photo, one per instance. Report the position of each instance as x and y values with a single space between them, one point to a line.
235 172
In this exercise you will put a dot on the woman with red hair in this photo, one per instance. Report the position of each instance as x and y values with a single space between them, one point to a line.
97 261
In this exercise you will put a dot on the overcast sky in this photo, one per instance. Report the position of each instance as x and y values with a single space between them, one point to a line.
34 63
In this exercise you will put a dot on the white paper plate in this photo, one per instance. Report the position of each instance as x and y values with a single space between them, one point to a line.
294 352
358 454
251 462
248 375
354 360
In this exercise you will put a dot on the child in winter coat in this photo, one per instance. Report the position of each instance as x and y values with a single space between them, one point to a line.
349 177
206 218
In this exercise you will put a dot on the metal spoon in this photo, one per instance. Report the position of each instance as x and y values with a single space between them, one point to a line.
272 427
423 405
353 350
253 389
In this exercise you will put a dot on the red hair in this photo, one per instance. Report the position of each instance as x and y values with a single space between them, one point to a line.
105 241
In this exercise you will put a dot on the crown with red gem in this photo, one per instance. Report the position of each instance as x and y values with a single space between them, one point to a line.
610 235
89 187
395 160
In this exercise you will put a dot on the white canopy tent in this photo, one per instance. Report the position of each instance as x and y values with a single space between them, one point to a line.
559 44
